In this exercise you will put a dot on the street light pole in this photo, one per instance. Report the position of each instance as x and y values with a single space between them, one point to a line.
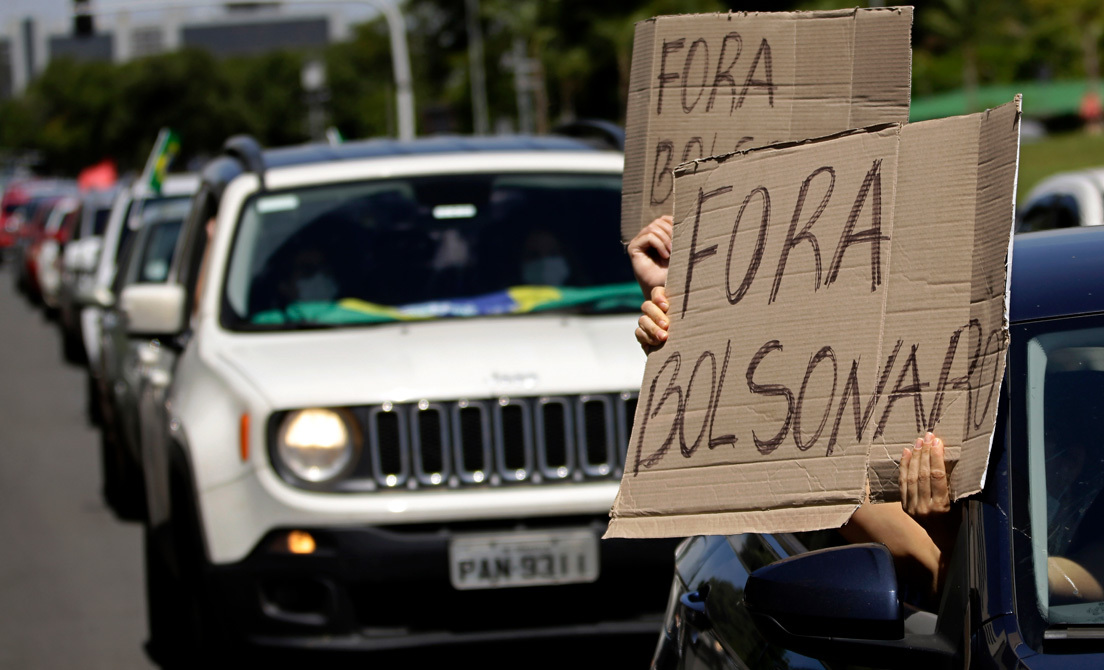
480 121
396 25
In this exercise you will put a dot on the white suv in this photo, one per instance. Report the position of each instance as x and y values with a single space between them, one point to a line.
406 371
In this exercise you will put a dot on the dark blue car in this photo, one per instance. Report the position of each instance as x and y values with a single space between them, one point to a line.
1025 587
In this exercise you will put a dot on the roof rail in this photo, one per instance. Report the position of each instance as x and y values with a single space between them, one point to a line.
248 152
599 132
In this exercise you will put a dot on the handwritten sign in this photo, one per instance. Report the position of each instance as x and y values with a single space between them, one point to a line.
708 84
830 301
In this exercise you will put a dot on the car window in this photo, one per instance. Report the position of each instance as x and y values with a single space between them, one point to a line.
1067 212
153 264
429 247
164 218
146 255
100 215
1050 212
1065 411
124 266
125 230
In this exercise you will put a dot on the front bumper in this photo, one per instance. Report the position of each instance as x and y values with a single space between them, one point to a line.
380 588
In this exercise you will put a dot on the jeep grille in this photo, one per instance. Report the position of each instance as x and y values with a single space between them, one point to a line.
485 443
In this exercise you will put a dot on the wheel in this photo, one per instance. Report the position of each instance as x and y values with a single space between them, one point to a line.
72 348
172 611
94 398
182 629
123 486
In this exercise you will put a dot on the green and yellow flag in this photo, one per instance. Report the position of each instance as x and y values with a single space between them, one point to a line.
164 151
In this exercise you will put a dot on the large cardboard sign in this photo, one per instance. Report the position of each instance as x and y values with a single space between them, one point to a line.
830 301
702 85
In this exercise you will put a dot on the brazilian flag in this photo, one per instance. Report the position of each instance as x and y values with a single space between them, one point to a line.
164 151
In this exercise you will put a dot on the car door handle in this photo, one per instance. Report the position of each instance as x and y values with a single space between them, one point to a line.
694 604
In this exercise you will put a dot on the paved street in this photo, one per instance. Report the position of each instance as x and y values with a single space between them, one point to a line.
71 585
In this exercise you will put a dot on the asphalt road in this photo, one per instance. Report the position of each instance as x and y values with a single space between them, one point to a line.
71 580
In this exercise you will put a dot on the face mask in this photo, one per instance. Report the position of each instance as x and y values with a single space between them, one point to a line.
545 271
317 287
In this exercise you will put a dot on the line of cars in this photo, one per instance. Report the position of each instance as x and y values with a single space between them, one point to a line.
337 383
378 394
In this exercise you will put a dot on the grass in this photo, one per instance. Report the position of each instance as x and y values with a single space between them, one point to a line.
1057 153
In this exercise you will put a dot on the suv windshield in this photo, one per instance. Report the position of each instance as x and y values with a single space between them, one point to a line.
1065 412
429 247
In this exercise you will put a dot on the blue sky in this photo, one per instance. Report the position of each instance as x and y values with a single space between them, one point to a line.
50 11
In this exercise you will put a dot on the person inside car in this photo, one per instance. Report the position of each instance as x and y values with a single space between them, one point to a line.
919 532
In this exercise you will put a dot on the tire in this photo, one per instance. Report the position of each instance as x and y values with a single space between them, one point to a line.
123 487
172 612
72 348
183 632
93 408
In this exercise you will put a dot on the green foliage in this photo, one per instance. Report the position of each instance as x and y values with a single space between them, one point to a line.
1057 153
362 84
187 91
72 104
76 114
267 96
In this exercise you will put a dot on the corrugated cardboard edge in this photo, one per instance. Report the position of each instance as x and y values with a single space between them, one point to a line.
1018 101
692 166
636 142
1010 111
749 521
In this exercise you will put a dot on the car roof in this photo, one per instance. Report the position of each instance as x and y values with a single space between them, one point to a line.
220 171
172 184
1057 273
1062 181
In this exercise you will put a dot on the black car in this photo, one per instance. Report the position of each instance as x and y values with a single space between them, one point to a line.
1024 589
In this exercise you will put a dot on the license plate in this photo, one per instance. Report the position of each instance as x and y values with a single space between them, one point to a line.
523 559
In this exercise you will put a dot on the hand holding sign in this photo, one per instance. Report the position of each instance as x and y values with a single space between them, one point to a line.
650 252
652 331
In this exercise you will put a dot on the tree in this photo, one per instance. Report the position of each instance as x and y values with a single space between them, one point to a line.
1081 18
187 91
362 86
72 103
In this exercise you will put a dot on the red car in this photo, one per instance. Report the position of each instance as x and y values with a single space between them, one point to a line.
15 195
43 257
14 201
32 219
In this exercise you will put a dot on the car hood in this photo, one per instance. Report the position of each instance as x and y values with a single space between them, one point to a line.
453 359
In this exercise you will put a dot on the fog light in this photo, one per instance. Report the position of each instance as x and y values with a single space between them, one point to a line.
300 542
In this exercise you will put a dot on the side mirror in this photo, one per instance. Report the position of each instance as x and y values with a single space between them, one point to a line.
85 255
153 309
95 247
842 603
94 296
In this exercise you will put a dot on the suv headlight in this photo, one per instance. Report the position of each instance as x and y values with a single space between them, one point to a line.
317 444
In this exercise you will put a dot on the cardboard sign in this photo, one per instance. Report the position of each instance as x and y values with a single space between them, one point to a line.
709 84
830 301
